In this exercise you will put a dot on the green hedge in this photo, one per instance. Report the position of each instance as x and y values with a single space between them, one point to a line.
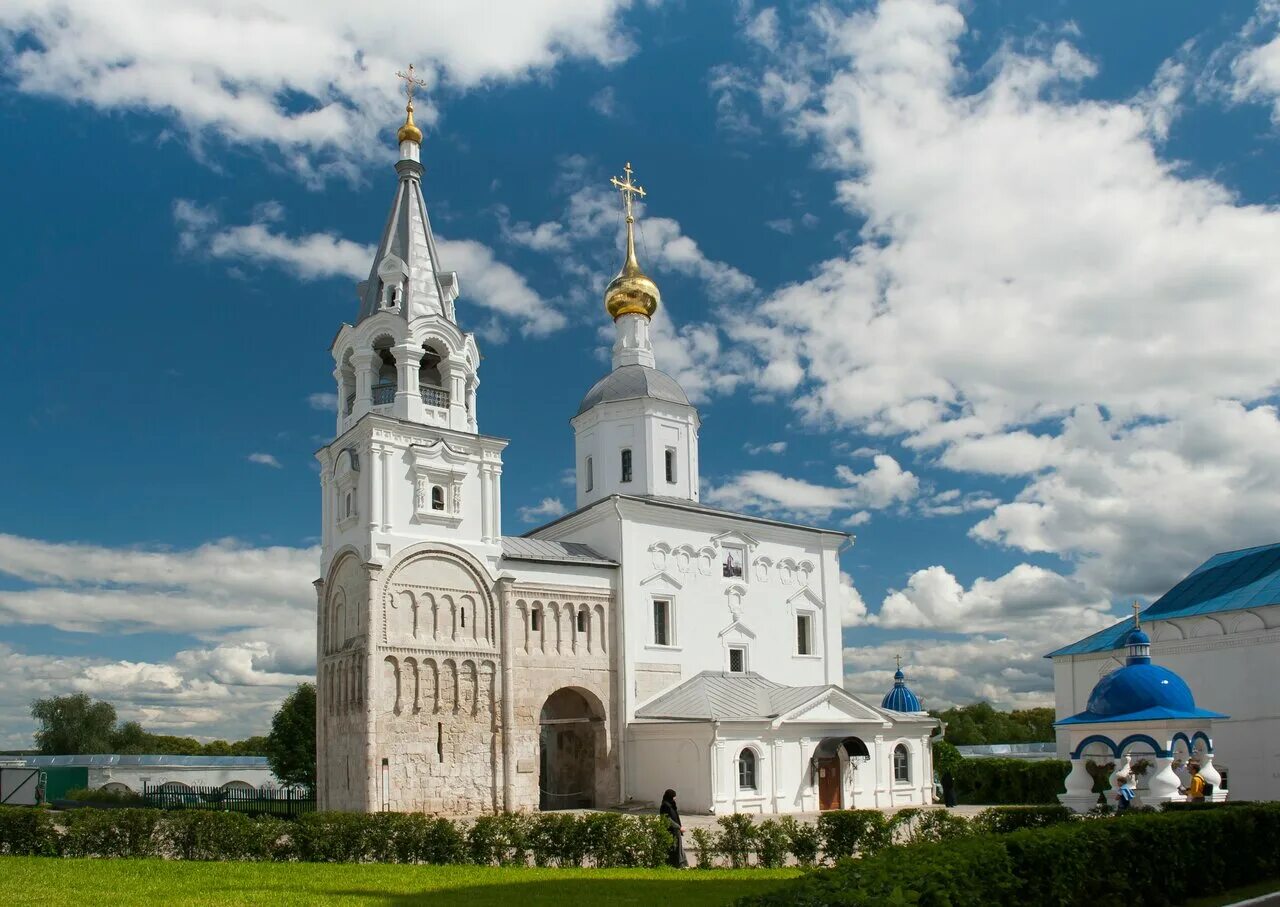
1146 859
548 839
1009 781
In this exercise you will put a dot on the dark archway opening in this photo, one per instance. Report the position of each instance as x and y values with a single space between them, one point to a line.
568 729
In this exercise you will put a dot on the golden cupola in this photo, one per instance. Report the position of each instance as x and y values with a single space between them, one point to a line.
632 292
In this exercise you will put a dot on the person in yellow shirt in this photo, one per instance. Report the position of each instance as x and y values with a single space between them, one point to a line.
1195 790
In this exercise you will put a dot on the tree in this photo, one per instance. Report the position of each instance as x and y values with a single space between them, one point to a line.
73 725
291 745
980 723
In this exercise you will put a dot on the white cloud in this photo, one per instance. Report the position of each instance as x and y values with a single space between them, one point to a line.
547 508
1039 257
252 608
765 491
853 610
326 402
265 459
485 281
314 80
1255 70
773 447
605 102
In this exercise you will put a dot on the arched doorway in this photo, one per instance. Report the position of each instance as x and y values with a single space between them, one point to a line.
834 757
568 736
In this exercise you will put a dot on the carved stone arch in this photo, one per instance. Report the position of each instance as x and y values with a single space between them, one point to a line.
488 671
412 684
762 567
391 685
538 636
786 571
469 690
429 686
440 565
603 635
804 572
441 335
449 685
658 553
1207 626
1247 622
1162 630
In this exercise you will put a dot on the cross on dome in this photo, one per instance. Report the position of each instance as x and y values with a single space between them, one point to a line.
631 292
410 82
629 190
409 132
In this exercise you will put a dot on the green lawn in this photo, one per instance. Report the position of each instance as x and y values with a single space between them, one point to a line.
46 880
1236 895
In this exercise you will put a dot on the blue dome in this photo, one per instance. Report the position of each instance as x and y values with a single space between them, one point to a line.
900 698
1137 637
1138 687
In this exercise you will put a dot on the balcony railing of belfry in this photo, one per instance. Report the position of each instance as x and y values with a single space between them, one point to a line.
434 396
384 394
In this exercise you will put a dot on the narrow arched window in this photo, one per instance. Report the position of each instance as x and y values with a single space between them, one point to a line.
463 615
535 620
747 770
582 621
901 763
348 505
437 497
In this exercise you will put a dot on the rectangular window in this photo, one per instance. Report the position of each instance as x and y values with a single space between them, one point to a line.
582 621
804 639
626 464
661 622
535 620
591 480
737 660
671 465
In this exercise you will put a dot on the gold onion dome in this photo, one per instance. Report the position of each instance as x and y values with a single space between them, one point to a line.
409 132
632 292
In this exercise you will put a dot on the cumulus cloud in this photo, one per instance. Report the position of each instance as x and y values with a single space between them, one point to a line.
773 447
1255 68
326 402
547 508
485 281
1043 261
265 459
313 80
766 491
249 614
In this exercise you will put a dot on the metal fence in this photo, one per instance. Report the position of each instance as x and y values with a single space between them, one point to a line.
286 802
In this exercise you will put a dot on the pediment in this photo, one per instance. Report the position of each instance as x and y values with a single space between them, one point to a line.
437 451
832 706
733 535
738 626
806 595
662 579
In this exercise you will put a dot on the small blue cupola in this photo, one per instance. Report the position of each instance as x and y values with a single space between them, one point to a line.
900 698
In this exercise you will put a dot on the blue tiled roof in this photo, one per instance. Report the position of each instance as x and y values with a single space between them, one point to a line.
1231 581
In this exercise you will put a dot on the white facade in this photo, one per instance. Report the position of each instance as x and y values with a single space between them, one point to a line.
1229 661
461 671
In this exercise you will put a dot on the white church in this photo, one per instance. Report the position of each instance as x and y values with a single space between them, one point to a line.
641 642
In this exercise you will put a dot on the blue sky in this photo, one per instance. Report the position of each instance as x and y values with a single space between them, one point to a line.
987 285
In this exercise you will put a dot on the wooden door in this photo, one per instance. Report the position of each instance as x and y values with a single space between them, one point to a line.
828 784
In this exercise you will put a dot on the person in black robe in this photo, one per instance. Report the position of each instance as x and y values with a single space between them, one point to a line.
669 812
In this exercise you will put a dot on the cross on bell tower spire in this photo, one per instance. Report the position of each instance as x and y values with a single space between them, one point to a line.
409 132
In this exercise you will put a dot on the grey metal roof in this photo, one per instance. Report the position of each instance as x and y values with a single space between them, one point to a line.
663 500
525 549
1028 751
408 238
632 382
717 696
106 759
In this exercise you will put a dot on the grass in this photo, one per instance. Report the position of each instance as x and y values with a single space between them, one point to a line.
1235 895
47 880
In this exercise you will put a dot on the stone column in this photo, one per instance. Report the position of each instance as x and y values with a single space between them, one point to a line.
375 488
408 397
1079 796
362 361
385 470
1211 776
508 704
343 391
778 795
473 419
486 534
1163 786
453 371
884 795
806 785
716 751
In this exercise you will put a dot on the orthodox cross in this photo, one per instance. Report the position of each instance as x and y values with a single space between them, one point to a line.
410 83
898 659
628 189
1137 619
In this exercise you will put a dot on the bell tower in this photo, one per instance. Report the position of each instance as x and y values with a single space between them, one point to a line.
410 488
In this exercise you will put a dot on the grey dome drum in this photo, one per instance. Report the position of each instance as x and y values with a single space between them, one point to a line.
632 382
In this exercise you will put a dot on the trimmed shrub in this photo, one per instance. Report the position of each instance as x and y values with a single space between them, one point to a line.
1070 863
501 839
198 834
557 839
939 825
648 841
704 845
846 832
333 837
1000 820
101 795
27 832
772 842
112 833
803 840
1011 781
737 838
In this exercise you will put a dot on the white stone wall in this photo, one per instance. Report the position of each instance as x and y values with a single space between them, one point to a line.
1229 661
647 427
136 777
